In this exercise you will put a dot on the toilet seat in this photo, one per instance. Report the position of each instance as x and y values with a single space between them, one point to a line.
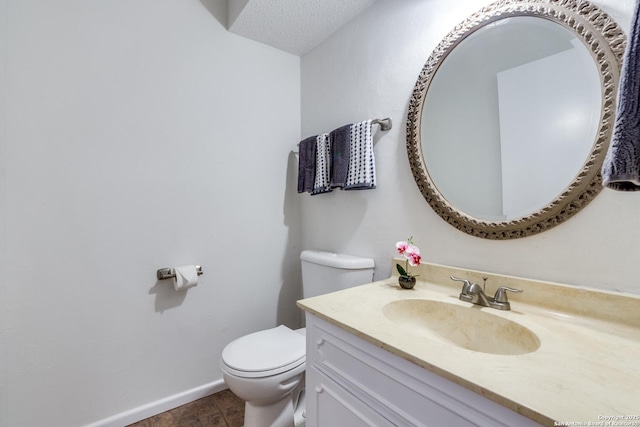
264 353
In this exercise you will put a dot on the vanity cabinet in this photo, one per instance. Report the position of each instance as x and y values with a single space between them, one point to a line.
352 382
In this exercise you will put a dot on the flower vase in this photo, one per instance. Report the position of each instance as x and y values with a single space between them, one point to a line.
406 282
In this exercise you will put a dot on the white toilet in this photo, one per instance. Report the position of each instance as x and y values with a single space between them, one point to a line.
266 368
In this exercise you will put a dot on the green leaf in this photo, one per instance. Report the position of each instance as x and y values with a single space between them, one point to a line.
401 270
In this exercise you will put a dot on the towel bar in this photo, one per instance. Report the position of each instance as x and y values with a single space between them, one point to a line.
385 125
169 273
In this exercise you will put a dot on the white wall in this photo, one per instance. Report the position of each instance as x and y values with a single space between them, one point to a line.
137 135
368 69
542 152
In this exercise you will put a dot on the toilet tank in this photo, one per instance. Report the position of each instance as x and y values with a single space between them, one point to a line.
324 272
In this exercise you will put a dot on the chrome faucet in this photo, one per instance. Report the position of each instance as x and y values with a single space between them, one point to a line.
473 293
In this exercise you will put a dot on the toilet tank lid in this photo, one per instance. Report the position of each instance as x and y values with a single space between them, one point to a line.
330 259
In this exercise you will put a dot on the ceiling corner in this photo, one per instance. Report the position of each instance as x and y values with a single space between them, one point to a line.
291 25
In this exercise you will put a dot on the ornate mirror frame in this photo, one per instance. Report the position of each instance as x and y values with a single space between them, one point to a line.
606 42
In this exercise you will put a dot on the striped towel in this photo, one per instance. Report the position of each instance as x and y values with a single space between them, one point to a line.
323 154
362 168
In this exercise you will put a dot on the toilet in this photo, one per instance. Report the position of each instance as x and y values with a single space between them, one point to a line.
266 368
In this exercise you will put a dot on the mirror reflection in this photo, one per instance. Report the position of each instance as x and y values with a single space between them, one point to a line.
510 117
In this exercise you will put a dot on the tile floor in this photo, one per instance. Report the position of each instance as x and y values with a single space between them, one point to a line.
222 409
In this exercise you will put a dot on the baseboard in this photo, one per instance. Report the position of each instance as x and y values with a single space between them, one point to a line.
162 405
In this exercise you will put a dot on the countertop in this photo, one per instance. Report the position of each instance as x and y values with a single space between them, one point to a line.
586 369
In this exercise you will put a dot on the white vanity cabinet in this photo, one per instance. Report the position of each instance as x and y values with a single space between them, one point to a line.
351 382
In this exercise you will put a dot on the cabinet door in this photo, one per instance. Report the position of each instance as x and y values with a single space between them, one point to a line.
330 405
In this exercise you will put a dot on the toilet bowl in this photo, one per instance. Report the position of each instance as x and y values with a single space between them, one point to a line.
266 368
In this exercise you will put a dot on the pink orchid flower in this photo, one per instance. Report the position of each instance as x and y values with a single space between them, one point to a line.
402 247
414 258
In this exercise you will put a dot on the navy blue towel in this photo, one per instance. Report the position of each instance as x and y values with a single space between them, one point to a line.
307 164
339 141
621 168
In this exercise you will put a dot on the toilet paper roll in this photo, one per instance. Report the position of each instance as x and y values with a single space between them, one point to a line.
186 277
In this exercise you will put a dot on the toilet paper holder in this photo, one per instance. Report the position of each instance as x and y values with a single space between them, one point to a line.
169 273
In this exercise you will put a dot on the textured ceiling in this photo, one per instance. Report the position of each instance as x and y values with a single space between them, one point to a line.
295 26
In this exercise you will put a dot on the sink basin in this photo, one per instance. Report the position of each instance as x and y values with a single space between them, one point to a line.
466 327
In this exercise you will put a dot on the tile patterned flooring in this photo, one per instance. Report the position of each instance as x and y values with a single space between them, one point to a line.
222 409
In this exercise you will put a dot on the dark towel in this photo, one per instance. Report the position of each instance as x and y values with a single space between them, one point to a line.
339 141
621 168
307 164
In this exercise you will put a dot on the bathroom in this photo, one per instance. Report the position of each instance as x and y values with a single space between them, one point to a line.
142 134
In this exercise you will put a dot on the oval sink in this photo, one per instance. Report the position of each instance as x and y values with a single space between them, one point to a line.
466 327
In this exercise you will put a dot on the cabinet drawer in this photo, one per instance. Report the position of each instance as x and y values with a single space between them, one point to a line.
330 405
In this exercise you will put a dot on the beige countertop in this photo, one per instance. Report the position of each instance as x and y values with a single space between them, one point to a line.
586 370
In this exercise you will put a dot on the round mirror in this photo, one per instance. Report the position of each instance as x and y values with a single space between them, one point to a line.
511 116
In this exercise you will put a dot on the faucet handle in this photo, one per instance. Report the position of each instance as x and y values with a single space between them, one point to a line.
501 293
466 286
